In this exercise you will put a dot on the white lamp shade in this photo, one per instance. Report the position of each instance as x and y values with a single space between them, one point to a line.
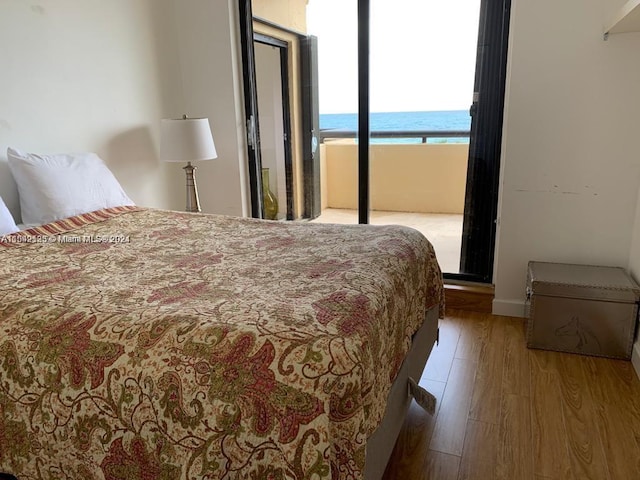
186 140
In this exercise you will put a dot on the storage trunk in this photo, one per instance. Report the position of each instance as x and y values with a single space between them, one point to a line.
581 309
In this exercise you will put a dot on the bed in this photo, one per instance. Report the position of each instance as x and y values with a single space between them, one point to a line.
144 343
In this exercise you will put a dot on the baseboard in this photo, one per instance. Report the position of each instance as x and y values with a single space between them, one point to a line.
508 308
635 357
475 298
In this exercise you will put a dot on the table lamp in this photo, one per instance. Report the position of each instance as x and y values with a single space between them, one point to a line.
187 140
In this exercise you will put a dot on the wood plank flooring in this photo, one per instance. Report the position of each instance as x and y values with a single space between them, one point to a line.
506 412
476 298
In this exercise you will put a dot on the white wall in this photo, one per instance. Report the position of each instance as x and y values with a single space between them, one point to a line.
89 75
95 75
634 267
211 77
570 162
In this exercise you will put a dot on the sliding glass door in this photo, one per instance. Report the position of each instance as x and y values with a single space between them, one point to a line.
421 77
430 98
410 96
334 23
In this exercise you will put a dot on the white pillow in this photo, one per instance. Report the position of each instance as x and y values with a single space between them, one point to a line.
7 225
58 186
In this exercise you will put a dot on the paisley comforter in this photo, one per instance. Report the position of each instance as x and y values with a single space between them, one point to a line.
148 344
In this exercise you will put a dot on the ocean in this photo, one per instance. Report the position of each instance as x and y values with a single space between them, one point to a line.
394 121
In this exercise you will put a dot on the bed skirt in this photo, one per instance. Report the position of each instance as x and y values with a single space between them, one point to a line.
380 444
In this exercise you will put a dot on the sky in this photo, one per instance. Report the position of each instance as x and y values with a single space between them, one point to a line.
422 54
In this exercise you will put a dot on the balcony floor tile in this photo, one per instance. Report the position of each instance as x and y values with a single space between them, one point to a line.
443 230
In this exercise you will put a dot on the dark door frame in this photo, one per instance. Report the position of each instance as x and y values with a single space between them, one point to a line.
310 127
483 170
251 108
363 110
283 48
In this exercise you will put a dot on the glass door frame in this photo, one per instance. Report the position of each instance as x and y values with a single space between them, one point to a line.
481 198
364 127
254 161
483 172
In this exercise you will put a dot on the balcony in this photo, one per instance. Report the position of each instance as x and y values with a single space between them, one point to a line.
419 184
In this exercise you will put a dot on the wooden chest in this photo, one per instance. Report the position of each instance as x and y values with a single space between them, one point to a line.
583 309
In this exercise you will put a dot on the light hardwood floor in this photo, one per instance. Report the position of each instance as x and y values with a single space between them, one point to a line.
506 412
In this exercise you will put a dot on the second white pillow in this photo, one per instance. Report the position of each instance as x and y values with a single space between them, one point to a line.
7 225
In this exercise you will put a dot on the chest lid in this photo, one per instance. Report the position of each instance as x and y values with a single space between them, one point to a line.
581 281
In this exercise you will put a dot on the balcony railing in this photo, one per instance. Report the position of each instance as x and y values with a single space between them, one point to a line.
417 183
423 135
428 177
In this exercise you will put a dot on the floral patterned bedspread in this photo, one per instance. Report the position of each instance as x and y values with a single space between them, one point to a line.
148 344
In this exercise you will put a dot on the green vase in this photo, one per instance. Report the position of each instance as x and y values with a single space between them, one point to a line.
268 198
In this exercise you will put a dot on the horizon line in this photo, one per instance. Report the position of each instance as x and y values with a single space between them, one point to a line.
398 111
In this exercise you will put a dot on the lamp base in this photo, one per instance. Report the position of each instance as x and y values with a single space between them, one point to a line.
193 203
